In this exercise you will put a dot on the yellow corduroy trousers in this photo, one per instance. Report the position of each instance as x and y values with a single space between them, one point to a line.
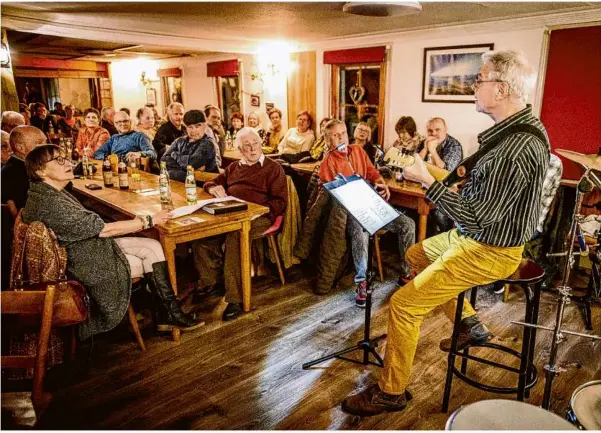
446 264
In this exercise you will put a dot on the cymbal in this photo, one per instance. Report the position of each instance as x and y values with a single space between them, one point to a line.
590 161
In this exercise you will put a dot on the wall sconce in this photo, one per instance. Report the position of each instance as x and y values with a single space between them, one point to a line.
147 81
4 56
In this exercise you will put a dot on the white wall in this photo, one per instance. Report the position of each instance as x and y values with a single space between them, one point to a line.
405 76
75 91
128 90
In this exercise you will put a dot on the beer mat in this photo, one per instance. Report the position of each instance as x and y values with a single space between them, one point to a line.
188 221
148 192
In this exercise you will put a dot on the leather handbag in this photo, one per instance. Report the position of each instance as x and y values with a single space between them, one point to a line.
71 303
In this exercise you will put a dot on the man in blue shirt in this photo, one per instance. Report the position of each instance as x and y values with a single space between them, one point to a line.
127 142
196 148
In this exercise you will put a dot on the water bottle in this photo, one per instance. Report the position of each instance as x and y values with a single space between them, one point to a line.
165 186
190 186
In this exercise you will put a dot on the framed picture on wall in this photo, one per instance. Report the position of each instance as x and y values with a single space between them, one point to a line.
449 72
151 96
255 100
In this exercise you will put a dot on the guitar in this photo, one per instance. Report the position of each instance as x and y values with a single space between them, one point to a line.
397 159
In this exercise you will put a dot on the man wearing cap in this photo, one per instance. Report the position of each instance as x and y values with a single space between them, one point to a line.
196 148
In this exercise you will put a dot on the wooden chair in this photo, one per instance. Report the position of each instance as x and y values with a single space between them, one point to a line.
32 303
270 234
379 233
145 163
12 209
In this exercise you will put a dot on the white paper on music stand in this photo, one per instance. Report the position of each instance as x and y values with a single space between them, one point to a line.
365 204
187 210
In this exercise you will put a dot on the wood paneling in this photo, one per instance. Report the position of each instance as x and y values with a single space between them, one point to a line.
301 87
246 374
169 72
50 73
25 61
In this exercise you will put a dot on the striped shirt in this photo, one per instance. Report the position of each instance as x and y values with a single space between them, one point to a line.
501 200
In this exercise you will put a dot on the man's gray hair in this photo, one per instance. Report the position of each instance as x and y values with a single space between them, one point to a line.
327 129
11 119
245 131
171 106
106 110
513 68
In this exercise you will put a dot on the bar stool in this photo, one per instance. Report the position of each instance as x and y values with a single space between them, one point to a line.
527 274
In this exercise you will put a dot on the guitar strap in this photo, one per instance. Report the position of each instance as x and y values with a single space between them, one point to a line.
466 166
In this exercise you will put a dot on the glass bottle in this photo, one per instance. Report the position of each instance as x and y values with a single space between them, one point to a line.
165 187
190 186
135 174
123 178
107 172
85 165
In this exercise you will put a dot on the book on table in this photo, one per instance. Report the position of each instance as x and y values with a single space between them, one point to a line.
222 207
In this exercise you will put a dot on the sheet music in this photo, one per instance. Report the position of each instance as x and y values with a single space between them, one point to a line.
365 204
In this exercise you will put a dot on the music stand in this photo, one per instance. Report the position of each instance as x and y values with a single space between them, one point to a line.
363 203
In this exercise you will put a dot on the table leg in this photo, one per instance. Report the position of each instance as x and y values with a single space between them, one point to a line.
423 209
245 264
169 250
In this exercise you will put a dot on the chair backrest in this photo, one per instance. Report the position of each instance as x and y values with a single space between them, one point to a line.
11 207
31 303
145 163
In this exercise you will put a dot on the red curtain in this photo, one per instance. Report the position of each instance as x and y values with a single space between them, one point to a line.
227 68
571 107
355 55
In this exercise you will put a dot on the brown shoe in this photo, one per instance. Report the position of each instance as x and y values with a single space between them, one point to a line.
471 332
373 401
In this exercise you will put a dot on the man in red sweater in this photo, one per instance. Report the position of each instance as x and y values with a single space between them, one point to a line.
347 160
256 179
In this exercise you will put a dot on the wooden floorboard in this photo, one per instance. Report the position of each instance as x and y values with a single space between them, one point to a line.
246 374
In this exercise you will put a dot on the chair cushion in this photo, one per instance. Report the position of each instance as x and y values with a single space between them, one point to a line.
527 272
275 227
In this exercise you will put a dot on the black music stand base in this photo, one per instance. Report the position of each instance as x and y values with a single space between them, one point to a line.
367 345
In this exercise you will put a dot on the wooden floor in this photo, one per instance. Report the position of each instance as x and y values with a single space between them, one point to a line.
247 374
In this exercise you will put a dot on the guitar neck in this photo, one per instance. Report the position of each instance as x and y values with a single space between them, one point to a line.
438 173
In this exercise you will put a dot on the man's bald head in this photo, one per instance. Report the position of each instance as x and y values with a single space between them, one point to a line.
11 119
5 145
24 138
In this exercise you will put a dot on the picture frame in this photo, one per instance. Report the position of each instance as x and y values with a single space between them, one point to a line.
450 71
269 106
255 100
151 96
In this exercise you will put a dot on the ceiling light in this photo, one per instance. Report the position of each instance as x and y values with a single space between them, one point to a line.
382 9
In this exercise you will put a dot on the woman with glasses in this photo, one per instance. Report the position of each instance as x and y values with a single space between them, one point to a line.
91 136
96 257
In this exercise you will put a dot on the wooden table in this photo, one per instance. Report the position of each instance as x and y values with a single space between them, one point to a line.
130 204
404 194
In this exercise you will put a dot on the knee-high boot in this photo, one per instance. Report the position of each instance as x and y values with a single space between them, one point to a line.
170 313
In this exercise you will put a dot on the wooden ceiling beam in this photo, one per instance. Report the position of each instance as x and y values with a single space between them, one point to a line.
25 61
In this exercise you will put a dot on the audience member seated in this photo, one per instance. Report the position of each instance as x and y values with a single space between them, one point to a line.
6 152
155 113
14 183
298 141
69 125
128 142
320 146
347 160
274 135
145 124
237 121
41 119
195 148
58 110
108 119
10 120
96 257
444 151
91 136
408 137
362 137
256 179
255 122
25 112
125 109
170 130
213 116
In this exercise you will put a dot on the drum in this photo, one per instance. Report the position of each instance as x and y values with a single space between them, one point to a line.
585 406
505 415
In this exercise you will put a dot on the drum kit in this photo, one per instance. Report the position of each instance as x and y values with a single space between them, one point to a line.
585 405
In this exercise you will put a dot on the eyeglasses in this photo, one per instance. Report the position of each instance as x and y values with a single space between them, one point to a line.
476 85
61 160
122 122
